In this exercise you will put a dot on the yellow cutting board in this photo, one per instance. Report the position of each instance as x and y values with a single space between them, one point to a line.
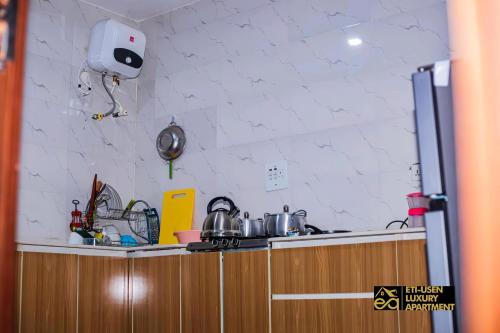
176 214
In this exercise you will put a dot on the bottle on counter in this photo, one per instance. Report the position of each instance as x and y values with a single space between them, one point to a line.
76 217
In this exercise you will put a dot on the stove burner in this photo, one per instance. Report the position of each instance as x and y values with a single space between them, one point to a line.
227 244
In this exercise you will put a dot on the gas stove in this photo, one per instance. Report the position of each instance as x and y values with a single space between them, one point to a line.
227 244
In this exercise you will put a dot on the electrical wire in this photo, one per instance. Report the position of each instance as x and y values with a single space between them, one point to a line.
403 223
99 116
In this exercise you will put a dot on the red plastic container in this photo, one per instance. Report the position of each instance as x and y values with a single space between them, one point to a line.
416 217
417 200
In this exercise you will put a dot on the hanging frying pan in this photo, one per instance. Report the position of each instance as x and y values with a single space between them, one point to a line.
170 144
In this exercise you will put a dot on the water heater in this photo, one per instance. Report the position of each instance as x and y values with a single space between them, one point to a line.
116 48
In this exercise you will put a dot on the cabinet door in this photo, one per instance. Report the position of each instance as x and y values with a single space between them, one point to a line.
352 268
156 294
103 294
48 292
200 292
246 292
19 262
339 280
412 271
331 315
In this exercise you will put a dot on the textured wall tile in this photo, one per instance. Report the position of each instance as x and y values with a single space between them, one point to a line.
50 35
42 216
284 84
250 82
46 79
42 168
62 147
44 123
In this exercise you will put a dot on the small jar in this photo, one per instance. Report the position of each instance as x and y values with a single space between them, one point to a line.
417 200
416 217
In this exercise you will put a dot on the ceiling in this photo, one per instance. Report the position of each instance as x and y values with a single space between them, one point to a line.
140 10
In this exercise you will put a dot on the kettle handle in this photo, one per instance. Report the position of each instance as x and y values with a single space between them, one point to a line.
216 200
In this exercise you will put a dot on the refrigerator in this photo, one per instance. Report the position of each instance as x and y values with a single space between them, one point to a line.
432 91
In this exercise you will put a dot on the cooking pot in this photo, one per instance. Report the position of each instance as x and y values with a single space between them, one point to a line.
286 223
251 228
221 222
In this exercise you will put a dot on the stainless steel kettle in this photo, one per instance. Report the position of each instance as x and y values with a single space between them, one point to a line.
221 222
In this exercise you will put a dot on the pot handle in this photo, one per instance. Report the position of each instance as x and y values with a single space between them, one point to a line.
300 212
316 230
216 200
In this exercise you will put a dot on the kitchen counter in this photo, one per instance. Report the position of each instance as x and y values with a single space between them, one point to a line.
350 234
371 236
107 251
109 248
276 243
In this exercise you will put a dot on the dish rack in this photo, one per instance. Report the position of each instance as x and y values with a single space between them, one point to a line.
107 206
144 224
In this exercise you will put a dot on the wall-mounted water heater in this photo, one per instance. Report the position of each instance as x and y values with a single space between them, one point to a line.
116 48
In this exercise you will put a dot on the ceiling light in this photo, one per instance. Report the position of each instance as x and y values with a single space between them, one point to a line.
354 41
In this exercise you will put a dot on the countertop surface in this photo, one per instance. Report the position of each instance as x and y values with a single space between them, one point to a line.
348 234
280 241
108 248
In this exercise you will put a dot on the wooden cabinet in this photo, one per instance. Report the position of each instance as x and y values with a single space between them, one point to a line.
19 265
103 294
200 292
412 271
246 292
308 289
155 294
352 268
49 296
331 315
338 279
332 271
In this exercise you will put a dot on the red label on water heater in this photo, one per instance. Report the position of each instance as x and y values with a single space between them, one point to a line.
132 38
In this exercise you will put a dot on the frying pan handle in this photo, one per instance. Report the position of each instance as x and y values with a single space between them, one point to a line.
315 230
217 200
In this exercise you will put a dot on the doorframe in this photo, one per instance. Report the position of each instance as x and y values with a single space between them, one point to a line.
11 95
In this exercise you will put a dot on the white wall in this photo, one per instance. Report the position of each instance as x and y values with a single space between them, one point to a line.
258 81
61 146
251 82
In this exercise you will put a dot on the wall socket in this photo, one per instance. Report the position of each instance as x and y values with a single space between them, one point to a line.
415 172
276 175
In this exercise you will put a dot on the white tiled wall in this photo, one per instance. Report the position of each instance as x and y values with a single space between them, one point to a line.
61 146
251 82
258 81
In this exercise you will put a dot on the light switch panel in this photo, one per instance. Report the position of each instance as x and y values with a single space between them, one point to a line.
276 175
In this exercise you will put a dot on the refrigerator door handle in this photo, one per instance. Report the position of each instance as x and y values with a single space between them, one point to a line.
437 263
